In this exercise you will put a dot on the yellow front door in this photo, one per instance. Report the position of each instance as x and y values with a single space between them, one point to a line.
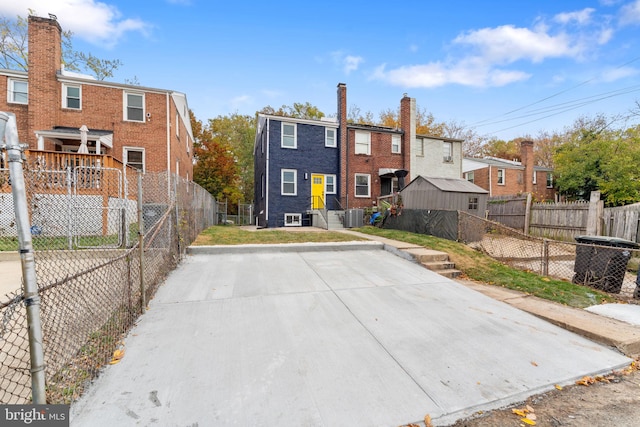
317 191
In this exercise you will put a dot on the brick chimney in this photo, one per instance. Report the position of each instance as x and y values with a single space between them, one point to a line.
408 125
528 161
45 60
343 143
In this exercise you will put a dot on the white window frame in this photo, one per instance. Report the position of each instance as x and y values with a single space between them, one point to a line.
355 182
330 141
327 178
473 203
65 96
11 91
549 180
362 141
125 103
125 157
396 144
295 135
295 182
447 152
471 176
535 180
502 179
420 147
296 220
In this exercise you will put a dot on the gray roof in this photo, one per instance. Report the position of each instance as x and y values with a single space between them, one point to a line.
453 185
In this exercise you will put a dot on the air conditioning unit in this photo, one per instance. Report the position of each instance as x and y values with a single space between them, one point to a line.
448 159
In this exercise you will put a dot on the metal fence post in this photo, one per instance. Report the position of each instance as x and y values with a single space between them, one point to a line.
545 257
143 297
9 129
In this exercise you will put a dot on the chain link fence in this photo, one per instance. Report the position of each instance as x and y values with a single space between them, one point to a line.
104 240
606 264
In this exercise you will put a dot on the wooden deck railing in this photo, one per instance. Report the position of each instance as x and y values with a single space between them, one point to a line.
57 160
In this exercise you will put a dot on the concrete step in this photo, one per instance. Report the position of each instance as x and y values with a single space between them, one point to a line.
451 273
438 265
423 255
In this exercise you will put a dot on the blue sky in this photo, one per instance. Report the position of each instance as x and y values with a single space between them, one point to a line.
510 68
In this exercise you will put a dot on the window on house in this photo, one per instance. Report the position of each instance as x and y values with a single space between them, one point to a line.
178 125
134 157
289 132
288 178
329 137
395 143
292 220
473 203
72 97
534 178
549 180
362 185
501 177
134 107
447 152
363 143
470 176
420 147
18 91
395 185
330 184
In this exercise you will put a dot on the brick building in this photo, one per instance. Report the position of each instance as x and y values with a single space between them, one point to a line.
501 177
142 127
310 171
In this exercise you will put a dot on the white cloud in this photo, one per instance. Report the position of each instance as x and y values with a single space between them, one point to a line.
348 63
507 44
618 73
91 20
580 17
351 63
471 72
630 13
496 56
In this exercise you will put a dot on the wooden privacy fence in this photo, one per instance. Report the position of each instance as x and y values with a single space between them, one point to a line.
561 220
508 210
622 222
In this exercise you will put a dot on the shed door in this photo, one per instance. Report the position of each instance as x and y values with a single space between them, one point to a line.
317 191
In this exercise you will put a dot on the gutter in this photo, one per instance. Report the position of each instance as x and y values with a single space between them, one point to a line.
266 178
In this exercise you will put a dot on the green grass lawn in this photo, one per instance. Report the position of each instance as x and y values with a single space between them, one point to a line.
232 235
474 264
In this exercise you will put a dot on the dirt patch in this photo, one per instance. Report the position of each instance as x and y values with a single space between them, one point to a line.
611 400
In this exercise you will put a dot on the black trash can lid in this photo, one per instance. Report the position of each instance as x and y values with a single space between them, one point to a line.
608 241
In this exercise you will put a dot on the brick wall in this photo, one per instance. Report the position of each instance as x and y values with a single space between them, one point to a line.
102 108
381 157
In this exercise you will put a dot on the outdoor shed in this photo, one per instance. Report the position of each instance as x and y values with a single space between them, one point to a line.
447 194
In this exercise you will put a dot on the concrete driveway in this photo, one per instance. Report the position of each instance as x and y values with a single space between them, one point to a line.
327 335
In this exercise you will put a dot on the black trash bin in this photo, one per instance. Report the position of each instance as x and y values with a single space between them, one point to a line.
603 263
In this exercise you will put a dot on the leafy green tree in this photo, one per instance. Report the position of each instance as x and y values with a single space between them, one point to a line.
297 110
14 48
595 156
238 133
216 169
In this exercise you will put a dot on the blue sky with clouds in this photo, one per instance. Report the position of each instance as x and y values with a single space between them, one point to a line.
510 68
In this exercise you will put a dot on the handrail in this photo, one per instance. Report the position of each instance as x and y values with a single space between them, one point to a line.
59 160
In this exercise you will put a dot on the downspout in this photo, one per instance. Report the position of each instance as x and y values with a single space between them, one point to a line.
168 152
266 180
490 184
347 172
